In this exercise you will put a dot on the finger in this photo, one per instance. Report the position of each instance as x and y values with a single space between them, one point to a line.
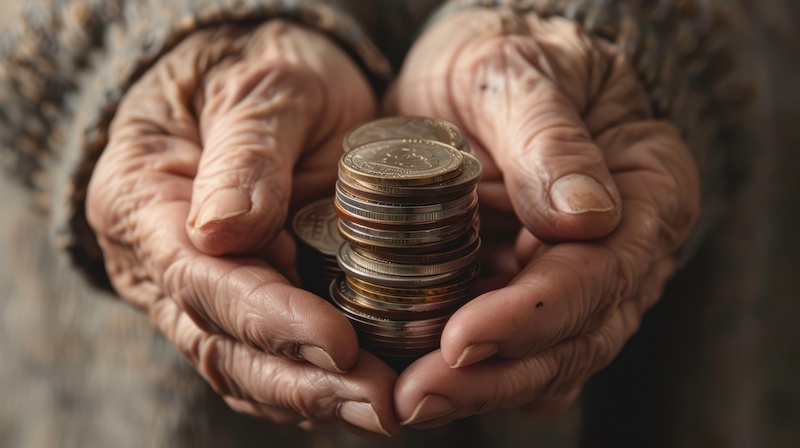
500 83
281 388
556 176
430 393
256 116
572 288
260 114
138 205
569 291
242 297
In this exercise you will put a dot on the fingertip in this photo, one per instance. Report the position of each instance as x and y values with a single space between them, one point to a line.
219 238
319 357
586 207
466 339
214 223
222 205
575 207
364 415
229 222
576 194
475 353
334 336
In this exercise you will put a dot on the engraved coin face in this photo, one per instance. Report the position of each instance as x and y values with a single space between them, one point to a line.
409 162
403 127
317 225
469 175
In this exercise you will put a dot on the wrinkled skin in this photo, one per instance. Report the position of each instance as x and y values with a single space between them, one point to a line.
206 154
214 144
542 102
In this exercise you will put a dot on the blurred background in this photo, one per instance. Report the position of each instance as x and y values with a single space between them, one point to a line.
78 368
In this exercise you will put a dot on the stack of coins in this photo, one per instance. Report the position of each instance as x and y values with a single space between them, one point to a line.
316 228
408 212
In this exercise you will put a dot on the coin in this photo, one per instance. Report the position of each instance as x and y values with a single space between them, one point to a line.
350 267
354 190
434 305
405 237
407 210
403 162
375 306
381 211
458 284
401 223
316 224
469 176
408 270
455 249
406 127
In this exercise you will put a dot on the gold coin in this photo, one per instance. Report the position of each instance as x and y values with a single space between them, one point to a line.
403 162
406 127
458 285
403 311
470 174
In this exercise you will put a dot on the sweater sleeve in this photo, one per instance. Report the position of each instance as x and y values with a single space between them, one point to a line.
685 54
67 64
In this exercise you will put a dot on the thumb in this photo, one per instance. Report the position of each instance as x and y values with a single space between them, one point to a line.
254 122
556 176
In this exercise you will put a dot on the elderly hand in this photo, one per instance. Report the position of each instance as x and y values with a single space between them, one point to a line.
208 151
585 198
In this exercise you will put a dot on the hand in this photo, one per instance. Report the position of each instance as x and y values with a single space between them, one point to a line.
207 152
585 198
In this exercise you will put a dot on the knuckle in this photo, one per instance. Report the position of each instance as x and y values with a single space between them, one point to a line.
304 392
178 282
265 86
575 362
276 337
520 382
601 349
216 362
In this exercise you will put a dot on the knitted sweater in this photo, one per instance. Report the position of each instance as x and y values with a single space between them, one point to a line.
68 63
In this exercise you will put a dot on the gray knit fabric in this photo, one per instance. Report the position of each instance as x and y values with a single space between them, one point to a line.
69 62
684 54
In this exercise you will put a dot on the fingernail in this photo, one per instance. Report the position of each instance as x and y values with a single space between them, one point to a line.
475 353
318 357
223 204
362 415
431 407
578 193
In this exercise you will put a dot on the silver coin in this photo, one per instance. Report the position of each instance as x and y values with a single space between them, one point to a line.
410 238
408 270
349 267
400 295
404 213
376 196
458 248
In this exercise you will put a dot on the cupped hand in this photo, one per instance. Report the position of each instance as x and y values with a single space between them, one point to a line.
585 198
207 153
